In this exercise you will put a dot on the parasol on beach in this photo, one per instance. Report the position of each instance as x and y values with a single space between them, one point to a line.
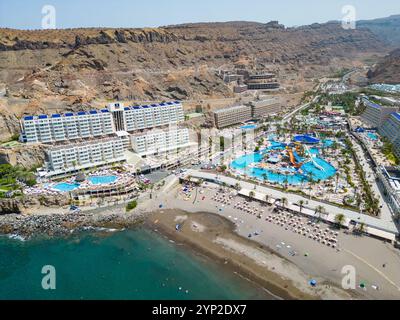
313 282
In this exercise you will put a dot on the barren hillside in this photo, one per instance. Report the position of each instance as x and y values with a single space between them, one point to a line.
48 70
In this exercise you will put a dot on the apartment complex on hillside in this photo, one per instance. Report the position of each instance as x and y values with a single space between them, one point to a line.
239 114
391 130
98 137
160 140
263 108
61 159
375 115
230 116
91 124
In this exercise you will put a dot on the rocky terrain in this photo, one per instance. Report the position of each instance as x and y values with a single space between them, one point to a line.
71 69
387 29
26 226
163 63
388 70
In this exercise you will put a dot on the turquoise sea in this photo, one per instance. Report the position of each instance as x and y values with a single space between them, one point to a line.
130 264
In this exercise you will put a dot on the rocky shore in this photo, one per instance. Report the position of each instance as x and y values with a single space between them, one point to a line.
26 226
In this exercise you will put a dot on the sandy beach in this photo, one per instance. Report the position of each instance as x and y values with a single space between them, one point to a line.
222 232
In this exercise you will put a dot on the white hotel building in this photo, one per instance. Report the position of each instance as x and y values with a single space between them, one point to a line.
81 125
391 130
160 141
75 156
86 139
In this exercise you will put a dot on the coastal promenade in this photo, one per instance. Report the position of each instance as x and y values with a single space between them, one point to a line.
384 225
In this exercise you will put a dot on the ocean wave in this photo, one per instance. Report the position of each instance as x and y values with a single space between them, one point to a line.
101 229
16 237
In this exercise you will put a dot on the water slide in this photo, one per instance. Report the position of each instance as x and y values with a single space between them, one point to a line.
312 158
292 158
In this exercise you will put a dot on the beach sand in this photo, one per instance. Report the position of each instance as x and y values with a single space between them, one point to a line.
266 258
216 238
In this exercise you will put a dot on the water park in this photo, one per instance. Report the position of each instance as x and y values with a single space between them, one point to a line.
292 162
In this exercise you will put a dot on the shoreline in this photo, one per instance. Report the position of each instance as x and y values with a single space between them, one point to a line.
204 243
223 239
28 226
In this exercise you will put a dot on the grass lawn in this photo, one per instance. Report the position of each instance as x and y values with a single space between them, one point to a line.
10 144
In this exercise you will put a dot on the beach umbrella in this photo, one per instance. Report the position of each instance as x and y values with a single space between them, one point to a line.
362 285
313 282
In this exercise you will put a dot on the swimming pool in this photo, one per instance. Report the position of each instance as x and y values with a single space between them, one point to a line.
328 143
248 127
66 187
102 179
242 164
306 139
372 136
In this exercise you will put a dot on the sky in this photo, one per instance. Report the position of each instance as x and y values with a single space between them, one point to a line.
27 14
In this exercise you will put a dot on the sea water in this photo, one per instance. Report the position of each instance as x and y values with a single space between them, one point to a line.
130 264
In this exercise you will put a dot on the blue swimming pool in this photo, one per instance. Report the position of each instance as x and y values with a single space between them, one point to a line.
372 136
66 187
102 179
306 139
248 127
328 143
290 175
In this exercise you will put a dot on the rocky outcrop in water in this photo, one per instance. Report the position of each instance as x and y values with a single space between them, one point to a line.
27 226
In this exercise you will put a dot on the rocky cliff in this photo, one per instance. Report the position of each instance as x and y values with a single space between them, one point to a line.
388 70
163 63
60 70
26 156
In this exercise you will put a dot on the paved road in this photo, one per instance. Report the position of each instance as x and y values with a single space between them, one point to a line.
381 224
386 214
298 109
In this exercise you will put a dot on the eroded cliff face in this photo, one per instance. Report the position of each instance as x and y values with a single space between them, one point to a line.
26 156
30 204
177 62
387 70
45 71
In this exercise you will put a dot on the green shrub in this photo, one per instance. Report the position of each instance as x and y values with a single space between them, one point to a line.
131 205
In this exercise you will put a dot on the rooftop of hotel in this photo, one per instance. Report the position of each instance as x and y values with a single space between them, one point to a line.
104 110
376 105
82 142
230 109
396 115
165 128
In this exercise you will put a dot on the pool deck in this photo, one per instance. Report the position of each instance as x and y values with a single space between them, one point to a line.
377 223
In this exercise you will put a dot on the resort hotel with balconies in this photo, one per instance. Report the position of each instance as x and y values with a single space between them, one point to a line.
85 139
391 130
375 115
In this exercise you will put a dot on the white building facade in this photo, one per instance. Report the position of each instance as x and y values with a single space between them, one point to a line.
99 137
391 130
76 156
160 141
81 125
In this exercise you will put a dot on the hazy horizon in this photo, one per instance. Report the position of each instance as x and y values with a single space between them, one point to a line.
19 14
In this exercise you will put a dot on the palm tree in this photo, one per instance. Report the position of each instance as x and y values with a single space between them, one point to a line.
339 219
361 228
301 204
284 202
319 210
